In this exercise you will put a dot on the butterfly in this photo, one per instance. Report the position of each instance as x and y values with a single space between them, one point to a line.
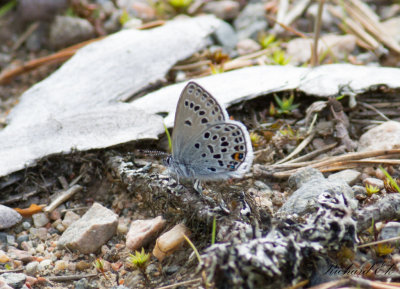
206 144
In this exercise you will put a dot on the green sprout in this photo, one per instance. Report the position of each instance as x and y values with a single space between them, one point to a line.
99 265
7 7
384 249
391 181
268 41
196 252
255 139
124 17
289 132
286 105
179 4
279 58
217 69
140 260
8 266
169 137
214 230
371 189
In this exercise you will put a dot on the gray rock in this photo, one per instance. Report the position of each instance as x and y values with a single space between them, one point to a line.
225 9
251 21
262 186
8 217
225 36
40 220
303 176
26 225
382 137
248 83
311 185
83 104
350 177
374 182
340 46
91 231
3 284
44 265
390 230
40 10
169 270
81 284
142 231
32 268
247 46
15 280
3 241
66 30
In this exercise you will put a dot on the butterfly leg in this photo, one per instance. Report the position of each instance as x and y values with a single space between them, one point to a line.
198 187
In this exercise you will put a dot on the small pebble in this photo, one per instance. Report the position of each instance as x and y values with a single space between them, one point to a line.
122 228
26 225
169 270
31 268
69 218
40 220
40 248
22 238
247 46
374 182
3 257
15 280
42 234
55 215
60 265
82 265
45 264
10 240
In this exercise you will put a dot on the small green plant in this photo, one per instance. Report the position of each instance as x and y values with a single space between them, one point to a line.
196 252
169 137
8 266
216 69
390 181
279 57
70 12
384 249
214 230
286 105
140 260
7 7
371 190
255 139
268 41
124 17
180 4
289 132
99 265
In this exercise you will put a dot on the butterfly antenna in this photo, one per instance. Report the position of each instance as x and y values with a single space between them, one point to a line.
153 153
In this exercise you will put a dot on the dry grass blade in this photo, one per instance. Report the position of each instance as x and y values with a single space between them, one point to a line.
347 161
364 39
362 14
298 149
379 242
197 280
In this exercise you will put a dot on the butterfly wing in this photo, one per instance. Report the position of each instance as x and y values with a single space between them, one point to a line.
221 151
195 111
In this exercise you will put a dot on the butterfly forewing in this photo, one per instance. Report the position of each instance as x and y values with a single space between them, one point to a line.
196 110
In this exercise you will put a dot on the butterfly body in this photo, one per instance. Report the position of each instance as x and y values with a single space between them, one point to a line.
206 144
